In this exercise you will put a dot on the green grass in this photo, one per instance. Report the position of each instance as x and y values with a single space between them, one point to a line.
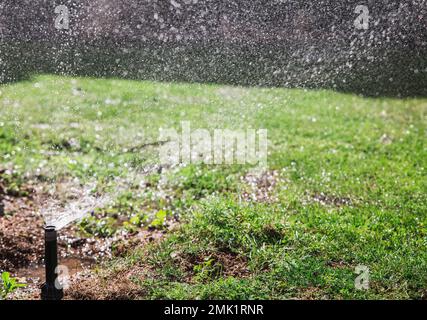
351 184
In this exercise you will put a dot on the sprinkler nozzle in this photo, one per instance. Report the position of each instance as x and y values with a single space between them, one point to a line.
51 289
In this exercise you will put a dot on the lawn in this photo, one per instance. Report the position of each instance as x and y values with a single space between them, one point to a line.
346 186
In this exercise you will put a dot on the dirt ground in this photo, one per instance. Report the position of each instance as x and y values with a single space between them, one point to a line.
22 247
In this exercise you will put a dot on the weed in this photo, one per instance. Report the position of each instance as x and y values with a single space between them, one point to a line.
9 285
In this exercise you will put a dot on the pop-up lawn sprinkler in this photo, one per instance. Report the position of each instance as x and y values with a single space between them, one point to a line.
50 289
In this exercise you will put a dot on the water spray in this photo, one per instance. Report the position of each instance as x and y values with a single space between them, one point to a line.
50 289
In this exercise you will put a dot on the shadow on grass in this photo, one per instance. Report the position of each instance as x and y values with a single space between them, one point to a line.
401 73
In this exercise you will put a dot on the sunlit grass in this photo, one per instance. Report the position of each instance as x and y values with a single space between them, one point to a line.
350 184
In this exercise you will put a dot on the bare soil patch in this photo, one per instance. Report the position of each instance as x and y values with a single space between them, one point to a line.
22 244
261 186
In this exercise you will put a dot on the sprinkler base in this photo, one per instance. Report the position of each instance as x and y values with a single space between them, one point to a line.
50 292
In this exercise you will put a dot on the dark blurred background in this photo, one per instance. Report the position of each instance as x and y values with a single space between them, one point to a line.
284 43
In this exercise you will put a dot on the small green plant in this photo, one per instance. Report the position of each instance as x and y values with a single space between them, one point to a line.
8 285
207 270
101 227
159 219
135 221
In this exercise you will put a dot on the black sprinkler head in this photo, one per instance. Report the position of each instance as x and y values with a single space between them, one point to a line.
51 289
